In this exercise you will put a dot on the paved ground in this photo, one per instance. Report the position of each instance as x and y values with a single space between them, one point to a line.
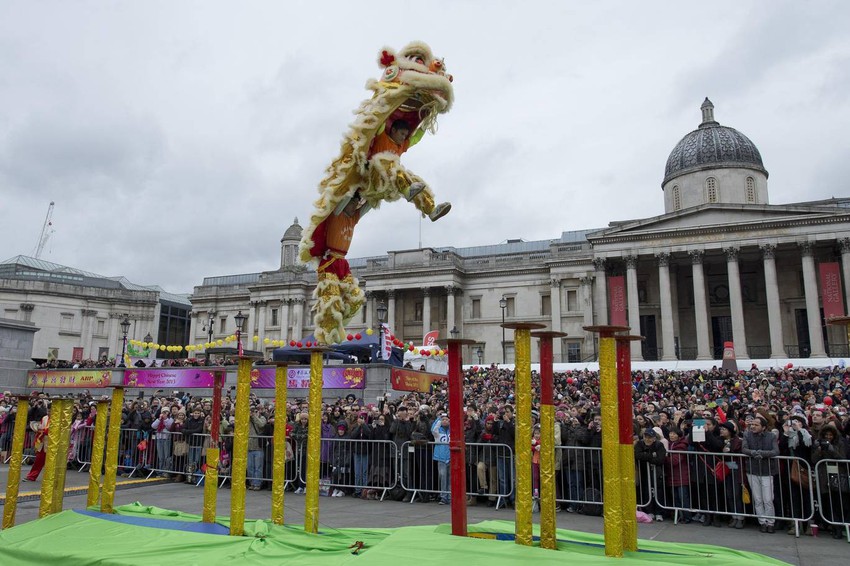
349 512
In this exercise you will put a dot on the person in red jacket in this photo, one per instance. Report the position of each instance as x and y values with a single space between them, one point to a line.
41 430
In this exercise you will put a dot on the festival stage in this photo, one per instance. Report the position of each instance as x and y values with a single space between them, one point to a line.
144 535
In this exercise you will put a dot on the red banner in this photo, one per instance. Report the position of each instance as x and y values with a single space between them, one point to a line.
617 300
830 289
410 380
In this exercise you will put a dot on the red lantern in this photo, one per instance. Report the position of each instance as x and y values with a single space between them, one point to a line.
309 343
570 380
300 345
358 336
292 343
789 365
411 348
827 401
350 337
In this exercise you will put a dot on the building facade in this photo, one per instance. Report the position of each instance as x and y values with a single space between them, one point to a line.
78 313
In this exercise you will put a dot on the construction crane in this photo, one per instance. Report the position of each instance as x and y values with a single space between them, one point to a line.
46 230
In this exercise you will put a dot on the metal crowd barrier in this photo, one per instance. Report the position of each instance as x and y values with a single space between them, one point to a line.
708 484
349 465
29 449
832 478
579 480
261 472
420 473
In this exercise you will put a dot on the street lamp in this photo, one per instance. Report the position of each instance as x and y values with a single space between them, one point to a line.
209 330
125 328
503 304
382 318
240 320
454 332
480 353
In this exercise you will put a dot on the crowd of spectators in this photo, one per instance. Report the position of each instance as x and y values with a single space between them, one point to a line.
758 414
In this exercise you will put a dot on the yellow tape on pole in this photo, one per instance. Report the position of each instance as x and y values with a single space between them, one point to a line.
612 501
97 453
62 460
629 498
210 485
522 440
13 482
314 436
279 445
239 458
48 483
113 435
548 524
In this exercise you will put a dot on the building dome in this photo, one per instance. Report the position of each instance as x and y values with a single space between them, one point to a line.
293 232
712 146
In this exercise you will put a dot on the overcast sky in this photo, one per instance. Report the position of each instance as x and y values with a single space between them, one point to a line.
180 139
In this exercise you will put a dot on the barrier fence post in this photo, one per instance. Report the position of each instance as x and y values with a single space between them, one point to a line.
548 524
239 458
457 444
279 443
13 482
627 450
314 437
96 467
522 439
611 493
212 456
113 436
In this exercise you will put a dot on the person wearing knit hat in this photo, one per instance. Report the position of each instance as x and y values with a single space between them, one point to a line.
728 426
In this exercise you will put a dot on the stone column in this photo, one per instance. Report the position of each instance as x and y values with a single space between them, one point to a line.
667 344
86 333
450 307
284 321
391 309
736 303
845 268
426 311
262 308
810 286
370 307
600 292
115 336
700 306
771 288
193 328
555 304
633 301
587 309
298 320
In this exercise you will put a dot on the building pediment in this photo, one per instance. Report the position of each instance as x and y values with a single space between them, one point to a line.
724 218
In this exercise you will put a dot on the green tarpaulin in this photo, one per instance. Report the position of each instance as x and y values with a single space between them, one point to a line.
75 538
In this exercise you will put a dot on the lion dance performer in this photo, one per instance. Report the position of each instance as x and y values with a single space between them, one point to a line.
413 90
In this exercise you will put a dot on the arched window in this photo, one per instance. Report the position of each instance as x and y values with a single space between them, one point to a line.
711 189
751 190
677 198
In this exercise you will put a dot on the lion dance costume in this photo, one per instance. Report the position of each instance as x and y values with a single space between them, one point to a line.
413 90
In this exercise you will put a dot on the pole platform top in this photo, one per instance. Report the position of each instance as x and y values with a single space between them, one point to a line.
548 334
628 338
605 329
523 325
458 341
317 348
839 320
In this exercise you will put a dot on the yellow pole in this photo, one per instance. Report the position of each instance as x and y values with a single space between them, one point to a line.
629 497
14 480
48 484
612 500
210 485
239 458
112 443
522 440
97 453
314 438
548 523
279 444
62 460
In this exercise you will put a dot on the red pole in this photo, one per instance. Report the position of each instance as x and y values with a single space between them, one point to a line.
624 390
457 445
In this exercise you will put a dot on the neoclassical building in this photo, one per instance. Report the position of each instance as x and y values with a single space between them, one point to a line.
721 264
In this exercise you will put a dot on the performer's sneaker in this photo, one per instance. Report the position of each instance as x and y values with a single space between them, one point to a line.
414 190
439 211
